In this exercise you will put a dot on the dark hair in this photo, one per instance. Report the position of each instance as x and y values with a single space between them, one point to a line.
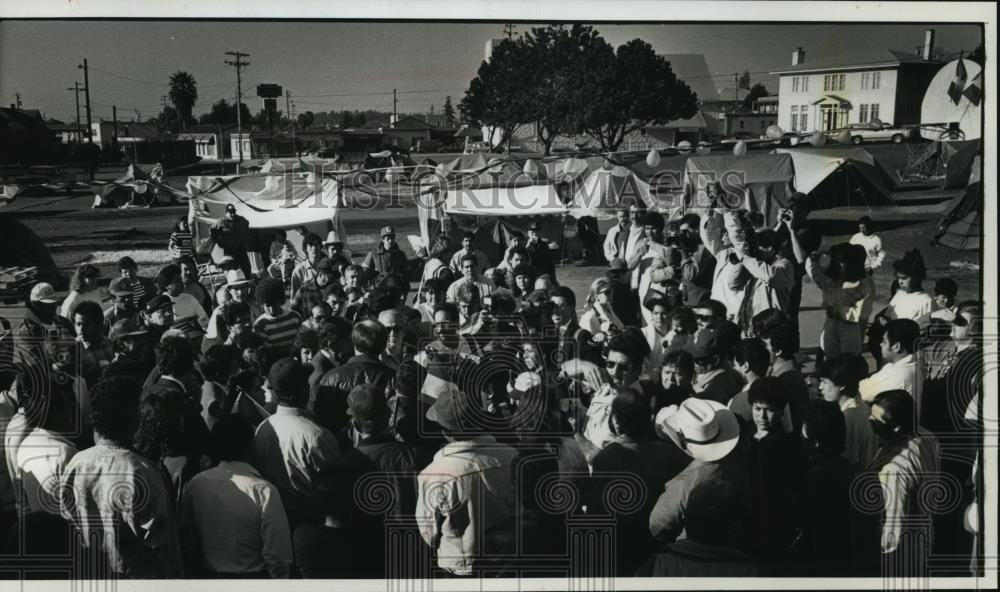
369 337
232 437
166 276
692 220
825 425
174 356
312 240
853 259
114 407
217 361
843 372
905 332
680 359
307 338
270 290
127 262
161 427
187 260
335 289
566 294
84 271
468 234
89 309
912 265
946 287
233 312
719 310
768 238
469 257
468 293
865 220
632 414
752 351
631 343
450 309
503 302
686 317
440 247
773 324
899 409
432 285
659 301
396 282
654 219
768 390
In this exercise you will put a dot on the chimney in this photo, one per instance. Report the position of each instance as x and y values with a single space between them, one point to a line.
798 56
928 44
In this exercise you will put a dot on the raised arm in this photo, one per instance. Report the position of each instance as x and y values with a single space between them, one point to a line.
711 232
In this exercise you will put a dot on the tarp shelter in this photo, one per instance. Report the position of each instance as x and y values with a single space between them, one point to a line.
958 157
604 191
491 197
961 226
135 183
838 177
756 182
296 202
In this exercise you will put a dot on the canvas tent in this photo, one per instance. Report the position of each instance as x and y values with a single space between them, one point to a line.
838 177
296 202
490 197
757 182
605 190
961 226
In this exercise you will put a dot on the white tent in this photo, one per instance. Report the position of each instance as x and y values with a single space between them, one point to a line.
815 165
603 191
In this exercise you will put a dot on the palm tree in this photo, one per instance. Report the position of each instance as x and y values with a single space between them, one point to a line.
183 94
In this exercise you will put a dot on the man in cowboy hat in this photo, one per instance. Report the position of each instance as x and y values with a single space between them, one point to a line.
238 288
336 252
709 433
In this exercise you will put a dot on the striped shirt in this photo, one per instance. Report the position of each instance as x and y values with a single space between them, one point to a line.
280 330
181 244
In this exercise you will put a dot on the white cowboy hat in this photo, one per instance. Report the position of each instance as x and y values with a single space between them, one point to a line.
704 429
236 277
332 238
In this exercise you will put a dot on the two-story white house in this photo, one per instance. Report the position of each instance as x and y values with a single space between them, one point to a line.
850 88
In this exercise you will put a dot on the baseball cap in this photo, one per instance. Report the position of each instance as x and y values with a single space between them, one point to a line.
706 343
126 328
231 208
158 302
617 264
452 410
44 292
387 231
287 376
366 402
118 287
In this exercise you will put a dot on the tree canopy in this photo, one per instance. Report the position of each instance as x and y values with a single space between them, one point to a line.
183 95
569 80
756 91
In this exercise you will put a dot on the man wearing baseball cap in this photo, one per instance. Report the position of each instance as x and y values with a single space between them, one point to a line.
473 503
159 315
387 257
291 450
231 233
713 379
709 433
123 306
39 319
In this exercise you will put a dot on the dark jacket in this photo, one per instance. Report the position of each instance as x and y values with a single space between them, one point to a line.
196 435
330 405
541 257
687 558
231 234
387 261
384 461
307 296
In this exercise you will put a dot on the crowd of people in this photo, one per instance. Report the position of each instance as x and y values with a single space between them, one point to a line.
323 419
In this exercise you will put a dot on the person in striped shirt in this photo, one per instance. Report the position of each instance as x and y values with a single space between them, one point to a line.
141 288
181 243
276 325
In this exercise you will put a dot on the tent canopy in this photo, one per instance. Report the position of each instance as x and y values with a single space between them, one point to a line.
603 191
961 225
839 177
757 182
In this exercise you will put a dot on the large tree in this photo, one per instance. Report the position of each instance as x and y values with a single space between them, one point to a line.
183 95
641 89
305 120
223 112
449 111
564 68
758 91
496 97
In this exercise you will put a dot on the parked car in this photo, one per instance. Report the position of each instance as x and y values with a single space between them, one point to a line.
864 132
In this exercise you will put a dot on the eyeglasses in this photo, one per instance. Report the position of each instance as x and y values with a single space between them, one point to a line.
705 318
611 365
394 329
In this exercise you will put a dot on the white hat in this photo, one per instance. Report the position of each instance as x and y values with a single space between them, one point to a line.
236 277
704 429
331 238
44 292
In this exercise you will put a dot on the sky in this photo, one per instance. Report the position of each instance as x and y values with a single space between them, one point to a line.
352 65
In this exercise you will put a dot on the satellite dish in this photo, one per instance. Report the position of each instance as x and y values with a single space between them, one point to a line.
938 111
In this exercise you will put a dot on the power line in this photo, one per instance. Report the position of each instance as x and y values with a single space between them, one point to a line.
239 63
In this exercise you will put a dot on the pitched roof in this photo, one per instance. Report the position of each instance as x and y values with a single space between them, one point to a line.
693 70
880 58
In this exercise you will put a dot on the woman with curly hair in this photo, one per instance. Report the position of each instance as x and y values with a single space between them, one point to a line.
163 438
848 292
83 287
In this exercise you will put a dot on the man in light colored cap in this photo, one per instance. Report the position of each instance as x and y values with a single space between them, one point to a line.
709 433
39 320
387 257
335 250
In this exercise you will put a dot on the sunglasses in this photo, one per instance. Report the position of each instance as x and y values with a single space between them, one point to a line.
960 321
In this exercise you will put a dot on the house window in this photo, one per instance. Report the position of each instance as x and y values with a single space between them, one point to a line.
795 84
795 118
742 124
863 113
876 80
805 84
874 111
804 119
864 80
833 82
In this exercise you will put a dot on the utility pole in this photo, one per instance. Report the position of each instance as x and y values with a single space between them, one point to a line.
86 90
291 119
508 30
239 63
17 97
395 116
76 95
114 119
